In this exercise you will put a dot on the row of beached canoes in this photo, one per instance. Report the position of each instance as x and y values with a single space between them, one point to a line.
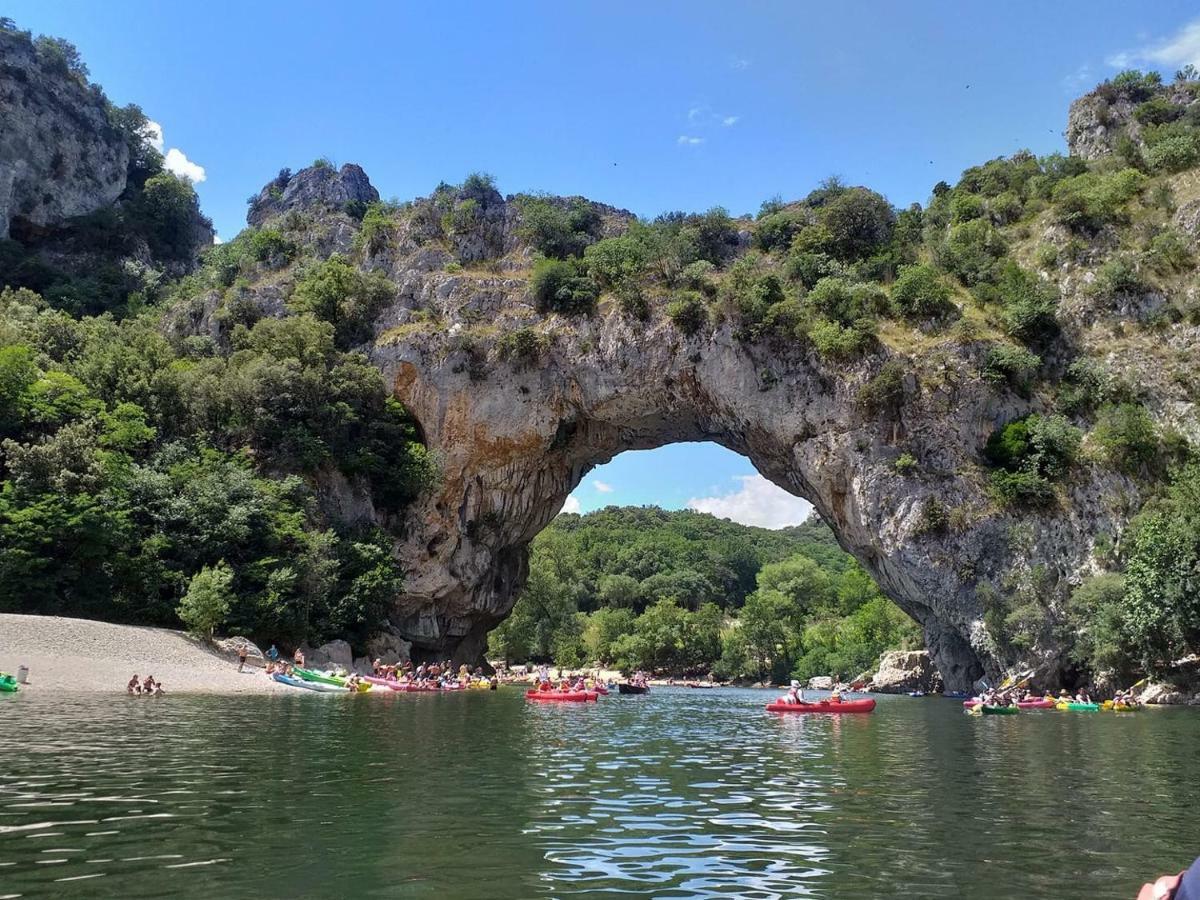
330 683
975 705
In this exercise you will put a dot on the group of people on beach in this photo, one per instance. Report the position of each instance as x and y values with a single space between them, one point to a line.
147 688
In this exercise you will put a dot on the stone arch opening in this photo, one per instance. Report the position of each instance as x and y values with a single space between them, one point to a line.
515 440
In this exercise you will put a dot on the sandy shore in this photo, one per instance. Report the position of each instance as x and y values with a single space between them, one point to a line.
98 657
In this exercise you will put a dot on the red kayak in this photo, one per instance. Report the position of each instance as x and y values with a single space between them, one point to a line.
823 706
574 696
1021 704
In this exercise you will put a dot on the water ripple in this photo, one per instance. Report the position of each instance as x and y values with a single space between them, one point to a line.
681 794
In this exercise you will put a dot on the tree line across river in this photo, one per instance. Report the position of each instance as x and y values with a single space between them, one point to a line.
683 592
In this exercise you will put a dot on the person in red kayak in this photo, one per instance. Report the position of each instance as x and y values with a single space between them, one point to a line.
795 693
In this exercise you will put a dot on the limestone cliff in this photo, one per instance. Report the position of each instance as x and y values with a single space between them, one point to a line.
59 156
518 403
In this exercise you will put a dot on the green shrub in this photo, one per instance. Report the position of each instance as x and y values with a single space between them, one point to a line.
964 207
807 267
919 294
558 229
688 311
615 259
884 392
776 231
1096 617
934 517
378 226
166 212
1157 111
1088 384
1126 437
698 276
336 292
859 222
1010 365
905 464
1174 154
1020 488
1161 608
1118 277
846 303
561 286
1088 202
1029 304
524 346
837 341
971 251
1169 252
1045 446
269 245
752 288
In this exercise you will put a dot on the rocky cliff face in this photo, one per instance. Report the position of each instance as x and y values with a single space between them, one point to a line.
59 157
516 427
514 439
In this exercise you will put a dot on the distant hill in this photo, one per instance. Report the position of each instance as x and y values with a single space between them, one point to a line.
690 556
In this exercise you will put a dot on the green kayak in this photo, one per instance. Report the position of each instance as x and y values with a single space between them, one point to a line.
8 684
309 675
999 710
1080 707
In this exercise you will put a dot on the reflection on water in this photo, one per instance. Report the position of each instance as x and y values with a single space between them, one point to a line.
677 794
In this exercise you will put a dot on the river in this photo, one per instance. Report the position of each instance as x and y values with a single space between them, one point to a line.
683 793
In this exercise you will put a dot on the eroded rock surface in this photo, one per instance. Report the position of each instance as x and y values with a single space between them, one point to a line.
901 671
59 156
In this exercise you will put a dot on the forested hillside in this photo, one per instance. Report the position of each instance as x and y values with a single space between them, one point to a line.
686 593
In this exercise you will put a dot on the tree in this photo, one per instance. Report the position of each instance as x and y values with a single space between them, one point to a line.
920 294
859 222
208 600
335 292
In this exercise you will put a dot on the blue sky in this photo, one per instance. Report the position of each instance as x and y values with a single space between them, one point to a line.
684 104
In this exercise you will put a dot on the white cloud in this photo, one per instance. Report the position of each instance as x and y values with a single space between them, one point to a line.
217 238
730 120
153 133
572 504
602 486
739 63
689 140
175 161
757 502
1176 51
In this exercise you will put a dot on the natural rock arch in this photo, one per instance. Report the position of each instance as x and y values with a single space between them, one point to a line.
514 438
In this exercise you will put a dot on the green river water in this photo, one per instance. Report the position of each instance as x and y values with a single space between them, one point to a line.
683 793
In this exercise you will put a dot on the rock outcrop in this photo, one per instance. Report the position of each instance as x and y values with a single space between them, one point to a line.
515 437
515 426
1099 120
901 671
59 155
315 188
